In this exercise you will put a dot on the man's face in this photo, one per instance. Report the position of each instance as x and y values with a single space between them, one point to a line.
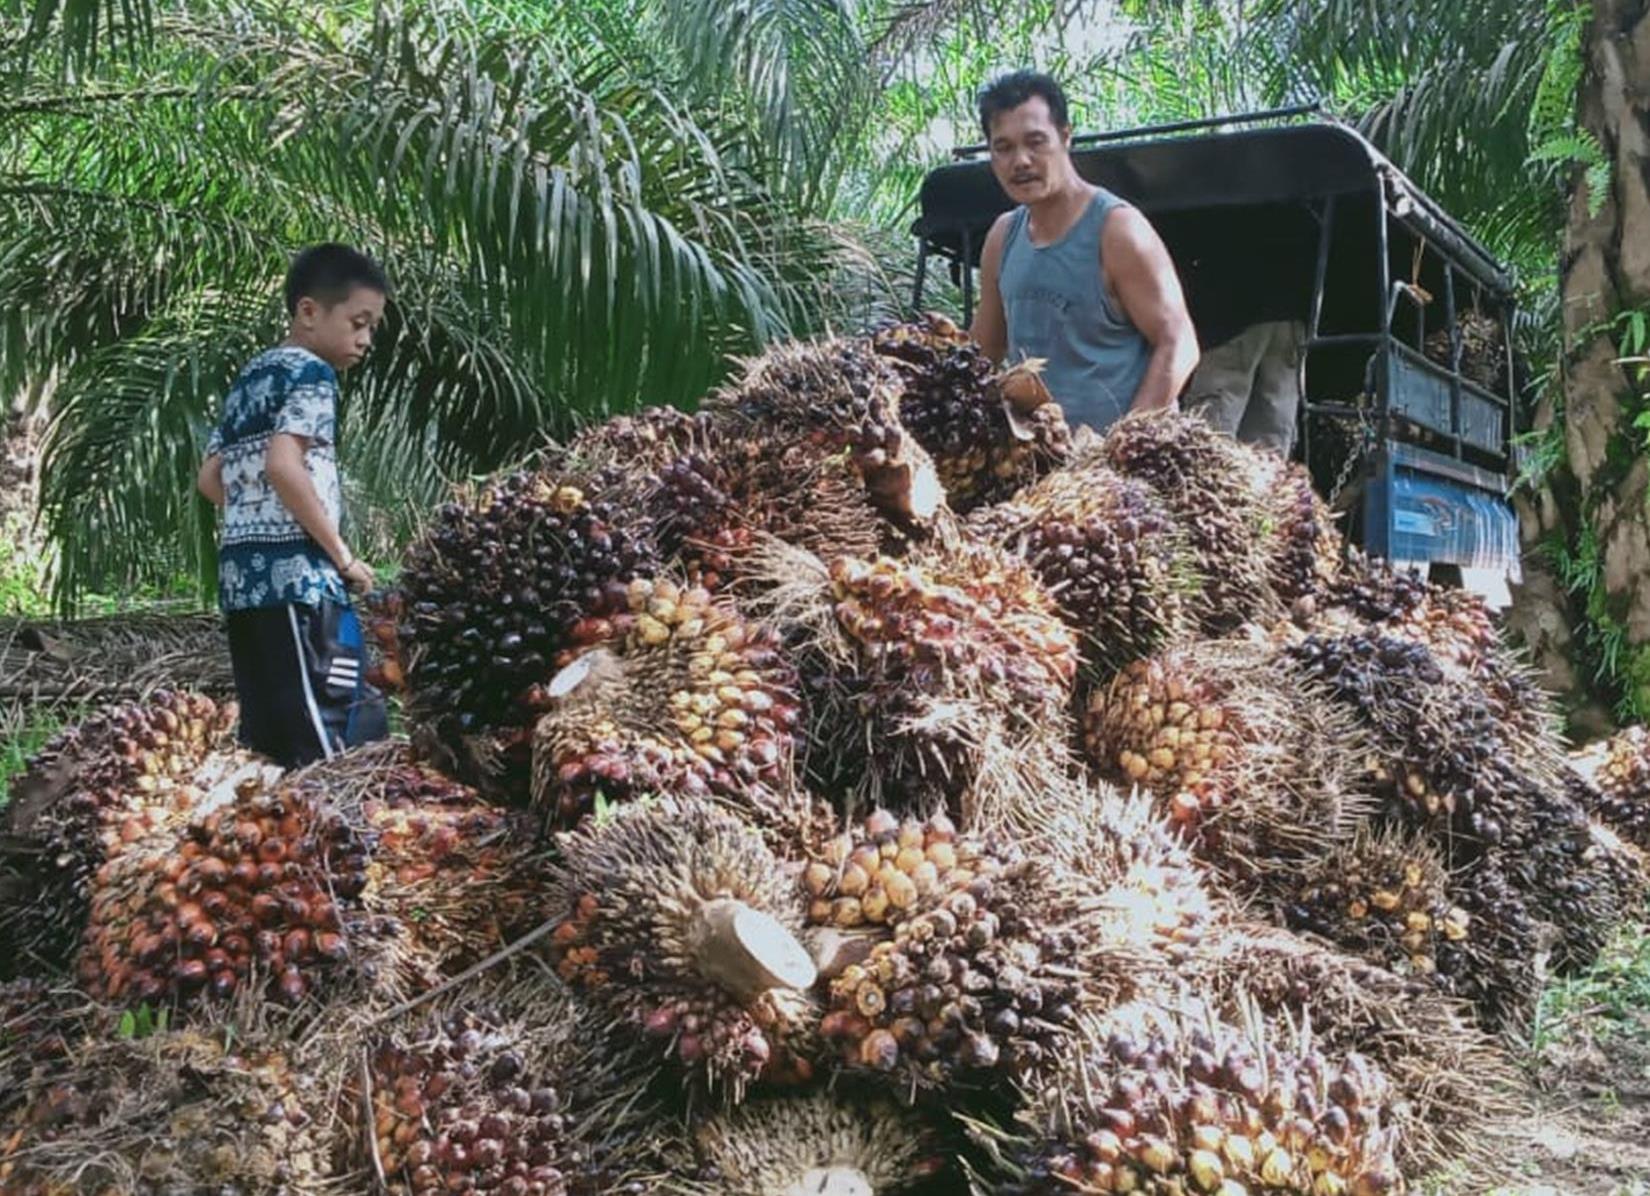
1029 152
341 334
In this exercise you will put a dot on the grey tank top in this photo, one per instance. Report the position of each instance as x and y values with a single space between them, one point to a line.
1057 309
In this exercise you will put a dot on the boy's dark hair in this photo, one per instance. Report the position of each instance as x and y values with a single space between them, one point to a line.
328 273
1010 91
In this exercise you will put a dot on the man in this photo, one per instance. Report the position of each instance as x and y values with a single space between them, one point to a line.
1250 288
1074 275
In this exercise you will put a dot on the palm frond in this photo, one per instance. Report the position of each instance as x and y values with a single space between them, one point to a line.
78 30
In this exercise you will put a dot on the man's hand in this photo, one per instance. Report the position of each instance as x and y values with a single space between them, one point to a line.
1140 273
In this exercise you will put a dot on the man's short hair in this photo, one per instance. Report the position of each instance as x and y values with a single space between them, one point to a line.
328 273
1010 91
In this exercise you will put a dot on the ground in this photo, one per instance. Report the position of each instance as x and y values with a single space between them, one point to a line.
1588 1057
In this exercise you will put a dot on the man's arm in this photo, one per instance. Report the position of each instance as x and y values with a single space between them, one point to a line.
284 462
210 479
1141 276
990 327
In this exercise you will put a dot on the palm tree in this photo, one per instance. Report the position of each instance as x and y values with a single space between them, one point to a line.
565 236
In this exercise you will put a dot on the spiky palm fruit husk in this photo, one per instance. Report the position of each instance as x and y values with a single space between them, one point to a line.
1257 767
1619 772
1454 1078
981 956
252 892
1109 553
1156 896
197 1110
1303 548
680 923
1156 1101
1215 488
499 1090
490 594
1383 895
819 1144
955 406
959 675
95 789
676 693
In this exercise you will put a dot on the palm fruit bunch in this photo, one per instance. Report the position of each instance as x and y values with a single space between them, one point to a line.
824 1143
491 592
1156 1102
1619 772
1496 967
983 956
179 1111
954 404
253 891
1454 625
1254 765
680 923
818 453
1483 349
962 676
1382 895
1215 488
94 789
1439 751
1303 548
1454 1078
450 878
648 439
1108 551
494 1092
679 471
672 693
1576 879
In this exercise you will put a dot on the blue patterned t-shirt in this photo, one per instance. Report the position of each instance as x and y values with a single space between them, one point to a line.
266 558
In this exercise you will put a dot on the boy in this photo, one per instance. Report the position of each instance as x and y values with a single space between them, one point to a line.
284 571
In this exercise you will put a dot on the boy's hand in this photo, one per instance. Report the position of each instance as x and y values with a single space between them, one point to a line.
359 576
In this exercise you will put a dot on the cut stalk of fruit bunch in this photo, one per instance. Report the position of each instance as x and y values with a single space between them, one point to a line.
683 927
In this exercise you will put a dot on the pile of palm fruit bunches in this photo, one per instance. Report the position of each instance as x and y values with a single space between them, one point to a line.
859 786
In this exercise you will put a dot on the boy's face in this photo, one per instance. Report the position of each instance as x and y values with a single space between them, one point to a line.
340 334
1029 151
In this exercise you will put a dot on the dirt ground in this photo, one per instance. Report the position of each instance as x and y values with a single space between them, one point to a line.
1590 1133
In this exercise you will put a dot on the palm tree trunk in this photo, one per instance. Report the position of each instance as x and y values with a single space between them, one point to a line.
1606 272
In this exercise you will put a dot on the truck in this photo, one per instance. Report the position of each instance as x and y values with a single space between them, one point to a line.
1407 378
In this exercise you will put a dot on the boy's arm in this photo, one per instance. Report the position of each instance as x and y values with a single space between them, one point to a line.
284 462
210 479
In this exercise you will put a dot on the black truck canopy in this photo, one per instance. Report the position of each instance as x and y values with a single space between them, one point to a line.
1198 166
